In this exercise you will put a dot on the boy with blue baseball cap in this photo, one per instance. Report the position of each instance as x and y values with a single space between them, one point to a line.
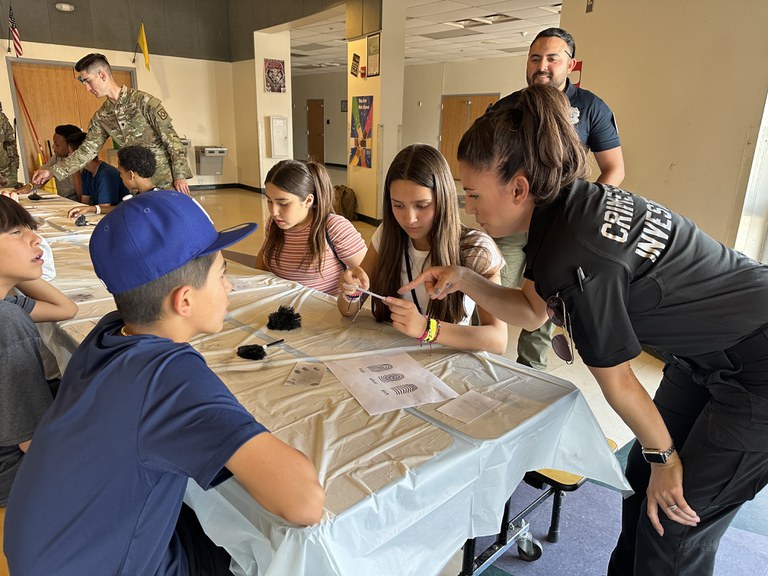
139 412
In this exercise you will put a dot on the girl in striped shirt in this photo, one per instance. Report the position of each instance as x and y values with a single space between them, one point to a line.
304 240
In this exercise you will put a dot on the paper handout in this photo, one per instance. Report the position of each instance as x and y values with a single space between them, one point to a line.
382 383
468 406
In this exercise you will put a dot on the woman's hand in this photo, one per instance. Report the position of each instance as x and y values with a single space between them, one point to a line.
665 492
438 281
406 318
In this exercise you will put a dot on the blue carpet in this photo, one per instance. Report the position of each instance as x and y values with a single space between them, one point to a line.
590 524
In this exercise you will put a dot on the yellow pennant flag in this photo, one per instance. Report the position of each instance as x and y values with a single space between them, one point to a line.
49 186
142 42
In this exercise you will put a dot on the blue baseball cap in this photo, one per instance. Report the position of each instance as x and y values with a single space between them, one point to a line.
153 234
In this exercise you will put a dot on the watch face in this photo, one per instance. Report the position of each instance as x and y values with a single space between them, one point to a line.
655 457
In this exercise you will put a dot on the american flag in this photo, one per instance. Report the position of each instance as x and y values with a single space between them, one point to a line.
14 33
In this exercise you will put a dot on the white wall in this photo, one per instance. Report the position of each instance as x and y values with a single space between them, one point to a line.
421 103
276 46
752 238
687 101
198 95
330 87
244 110
425 84
504 75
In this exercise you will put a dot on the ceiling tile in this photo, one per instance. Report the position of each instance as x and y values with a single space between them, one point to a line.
321 47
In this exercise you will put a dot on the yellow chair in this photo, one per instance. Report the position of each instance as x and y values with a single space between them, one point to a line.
558 483
516 531
3 564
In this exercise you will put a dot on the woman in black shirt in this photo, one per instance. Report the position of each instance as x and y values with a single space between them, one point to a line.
617 272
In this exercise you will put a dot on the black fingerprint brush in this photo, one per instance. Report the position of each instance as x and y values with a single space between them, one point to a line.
256 351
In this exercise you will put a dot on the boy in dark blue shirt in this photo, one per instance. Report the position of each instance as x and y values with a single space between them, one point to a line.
103 189
139 413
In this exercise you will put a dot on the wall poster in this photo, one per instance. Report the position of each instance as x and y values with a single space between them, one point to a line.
360 144
374 49
274 75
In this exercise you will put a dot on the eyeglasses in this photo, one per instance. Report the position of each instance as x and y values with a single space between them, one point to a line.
561 343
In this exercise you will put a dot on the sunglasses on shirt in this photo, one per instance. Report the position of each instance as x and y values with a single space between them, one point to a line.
561 343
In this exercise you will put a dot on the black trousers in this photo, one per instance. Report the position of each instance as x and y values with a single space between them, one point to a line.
203 556
716 409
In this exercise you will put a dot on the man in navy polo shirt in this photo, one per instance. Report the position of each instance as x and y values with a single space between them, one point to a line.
551 58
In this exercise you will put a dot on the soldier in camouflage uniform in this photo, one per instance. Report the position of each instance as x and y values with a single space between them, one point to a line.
131 117
9 155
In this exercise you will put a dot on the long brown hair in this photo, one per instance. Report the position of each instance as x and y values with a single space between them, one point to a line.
302 178
449 241
536 135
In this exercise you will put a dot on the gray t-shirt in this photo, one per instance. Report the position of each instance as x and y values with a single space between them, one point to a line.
24 392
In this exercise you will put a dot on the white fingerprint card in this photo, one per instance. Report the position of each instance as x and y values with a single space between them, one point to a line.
306 374
468 406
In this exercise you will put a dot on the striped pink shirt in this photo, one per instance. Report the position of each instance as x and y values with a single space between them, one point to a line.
346 241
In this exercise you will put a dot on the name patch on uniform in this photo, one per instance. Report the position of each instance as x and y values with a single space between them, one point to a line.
617 222
617 219
653 240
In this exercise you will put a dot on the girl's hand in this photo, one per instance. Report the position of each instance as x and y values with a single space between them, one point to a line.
406 318
353 277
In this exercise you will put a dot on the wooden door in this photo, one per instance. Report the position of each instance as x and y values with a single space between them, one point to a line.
50 95
316 130
457 114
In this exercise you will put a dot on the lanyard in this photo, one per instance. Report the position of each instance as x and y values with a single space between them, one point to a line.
410 277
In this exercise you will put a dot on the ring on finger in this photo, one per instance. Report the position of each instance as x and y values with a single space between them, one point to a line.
672 508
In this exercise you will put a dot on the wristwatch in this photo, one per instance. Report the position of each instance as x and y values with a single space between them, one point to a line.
657 456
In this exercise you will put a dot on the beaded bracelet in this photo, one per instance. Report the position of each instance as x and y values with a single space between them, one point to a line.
426 330
352 297
430 334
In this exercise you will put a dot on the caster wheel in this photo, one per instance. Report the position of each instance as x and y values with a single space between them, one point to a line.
530 550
